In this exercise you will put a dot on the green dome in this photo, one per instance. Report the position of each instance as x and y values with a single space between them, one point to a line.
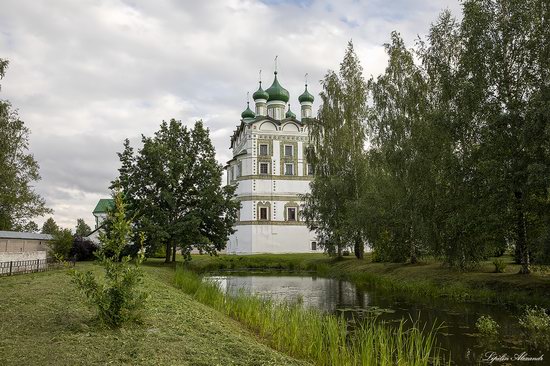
277 92
305 97
289 113
248 113
260 93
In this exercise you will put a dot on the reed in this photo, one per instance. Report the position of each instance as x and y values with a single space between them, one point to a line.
321 338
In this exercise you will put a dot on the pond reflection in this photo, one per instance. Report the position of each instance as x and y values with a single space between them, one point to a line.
458 333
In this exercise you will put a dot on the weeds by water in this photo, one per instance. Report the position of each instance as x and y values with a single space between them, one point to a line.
535 322
487 326
324 339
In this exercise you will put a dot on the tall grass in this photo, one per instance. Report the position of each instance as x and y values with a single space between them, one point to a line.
324 339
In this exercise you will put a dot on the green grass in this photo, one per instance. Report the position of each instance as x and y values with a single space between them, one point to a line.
425 279
321 338
45 321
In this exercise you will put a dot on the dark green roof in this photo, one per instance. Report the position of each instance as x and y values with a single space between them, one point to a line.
260 93
277 92
104 205
305 97
248 113
289 113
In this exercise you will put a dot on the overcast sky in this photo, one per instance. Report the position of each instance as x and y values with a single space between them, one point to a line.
86 74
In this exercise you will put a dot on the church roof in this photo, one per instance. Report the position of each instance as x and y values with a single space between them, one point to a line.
248 113
260 93
277 122
104 205
306 97
277 92
289 113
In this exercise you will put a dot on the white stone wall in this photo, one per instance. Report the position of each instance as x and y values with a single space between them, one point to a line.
275 235
6 257
271 239
272 186
23 245
22 256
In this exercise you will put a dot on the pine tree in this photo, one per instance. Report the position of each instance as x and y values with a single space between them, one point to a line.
82 229
50 227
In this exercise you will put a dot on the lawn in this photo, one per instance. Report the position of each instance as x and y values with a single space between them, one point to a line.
427 278
44 321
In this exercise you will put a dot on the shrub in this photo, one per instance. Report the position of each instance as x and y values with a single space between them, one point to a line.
116 296
83 249
500 265
536 323
61 244
535 319
487 326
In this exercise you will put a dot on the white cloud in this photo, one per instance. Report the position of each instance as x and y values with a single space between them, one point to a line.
87 74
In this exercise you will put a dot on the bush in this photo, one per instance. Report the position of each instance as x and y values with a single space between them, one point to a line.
487 326
116 296
535 319
500 265
536 324
83 249
61 244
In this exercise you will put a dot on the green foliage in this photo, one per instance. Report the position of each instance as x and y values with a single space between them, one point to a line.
18 170
459 155
30 227
337 156
174 193
50 227
82 229
321 338
500 265
62 243
535 321
487 326
117 297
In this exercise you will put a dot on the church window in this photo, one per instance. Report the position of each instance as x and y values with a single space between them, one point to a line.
313 245
263 213
309 169
288 150
239 169
263 149
289 169
264 168
291 213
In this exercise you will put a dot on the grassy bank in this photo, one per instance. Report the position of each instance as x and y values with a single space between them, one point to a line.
44 321
323 339
425 279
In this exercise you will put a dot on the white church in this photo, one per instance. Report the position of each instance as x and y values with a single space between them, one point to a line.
270 169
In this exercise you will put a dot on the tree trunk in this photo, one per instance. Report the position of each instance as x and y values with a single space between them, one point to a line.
359 248
339 251
414 259
521 234
167 257
173 252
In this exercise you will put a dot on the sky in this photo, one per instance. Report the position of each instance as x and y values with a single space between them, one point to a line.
87 74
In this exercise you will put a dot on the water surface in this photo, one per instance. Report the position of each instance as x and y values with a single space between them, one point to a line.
337 296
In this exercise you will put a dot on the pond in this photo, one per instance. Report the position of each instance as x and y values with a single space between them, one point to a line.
457 335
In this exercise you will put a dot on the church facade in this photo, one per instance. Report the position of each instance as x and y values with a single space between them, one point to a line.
271 171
